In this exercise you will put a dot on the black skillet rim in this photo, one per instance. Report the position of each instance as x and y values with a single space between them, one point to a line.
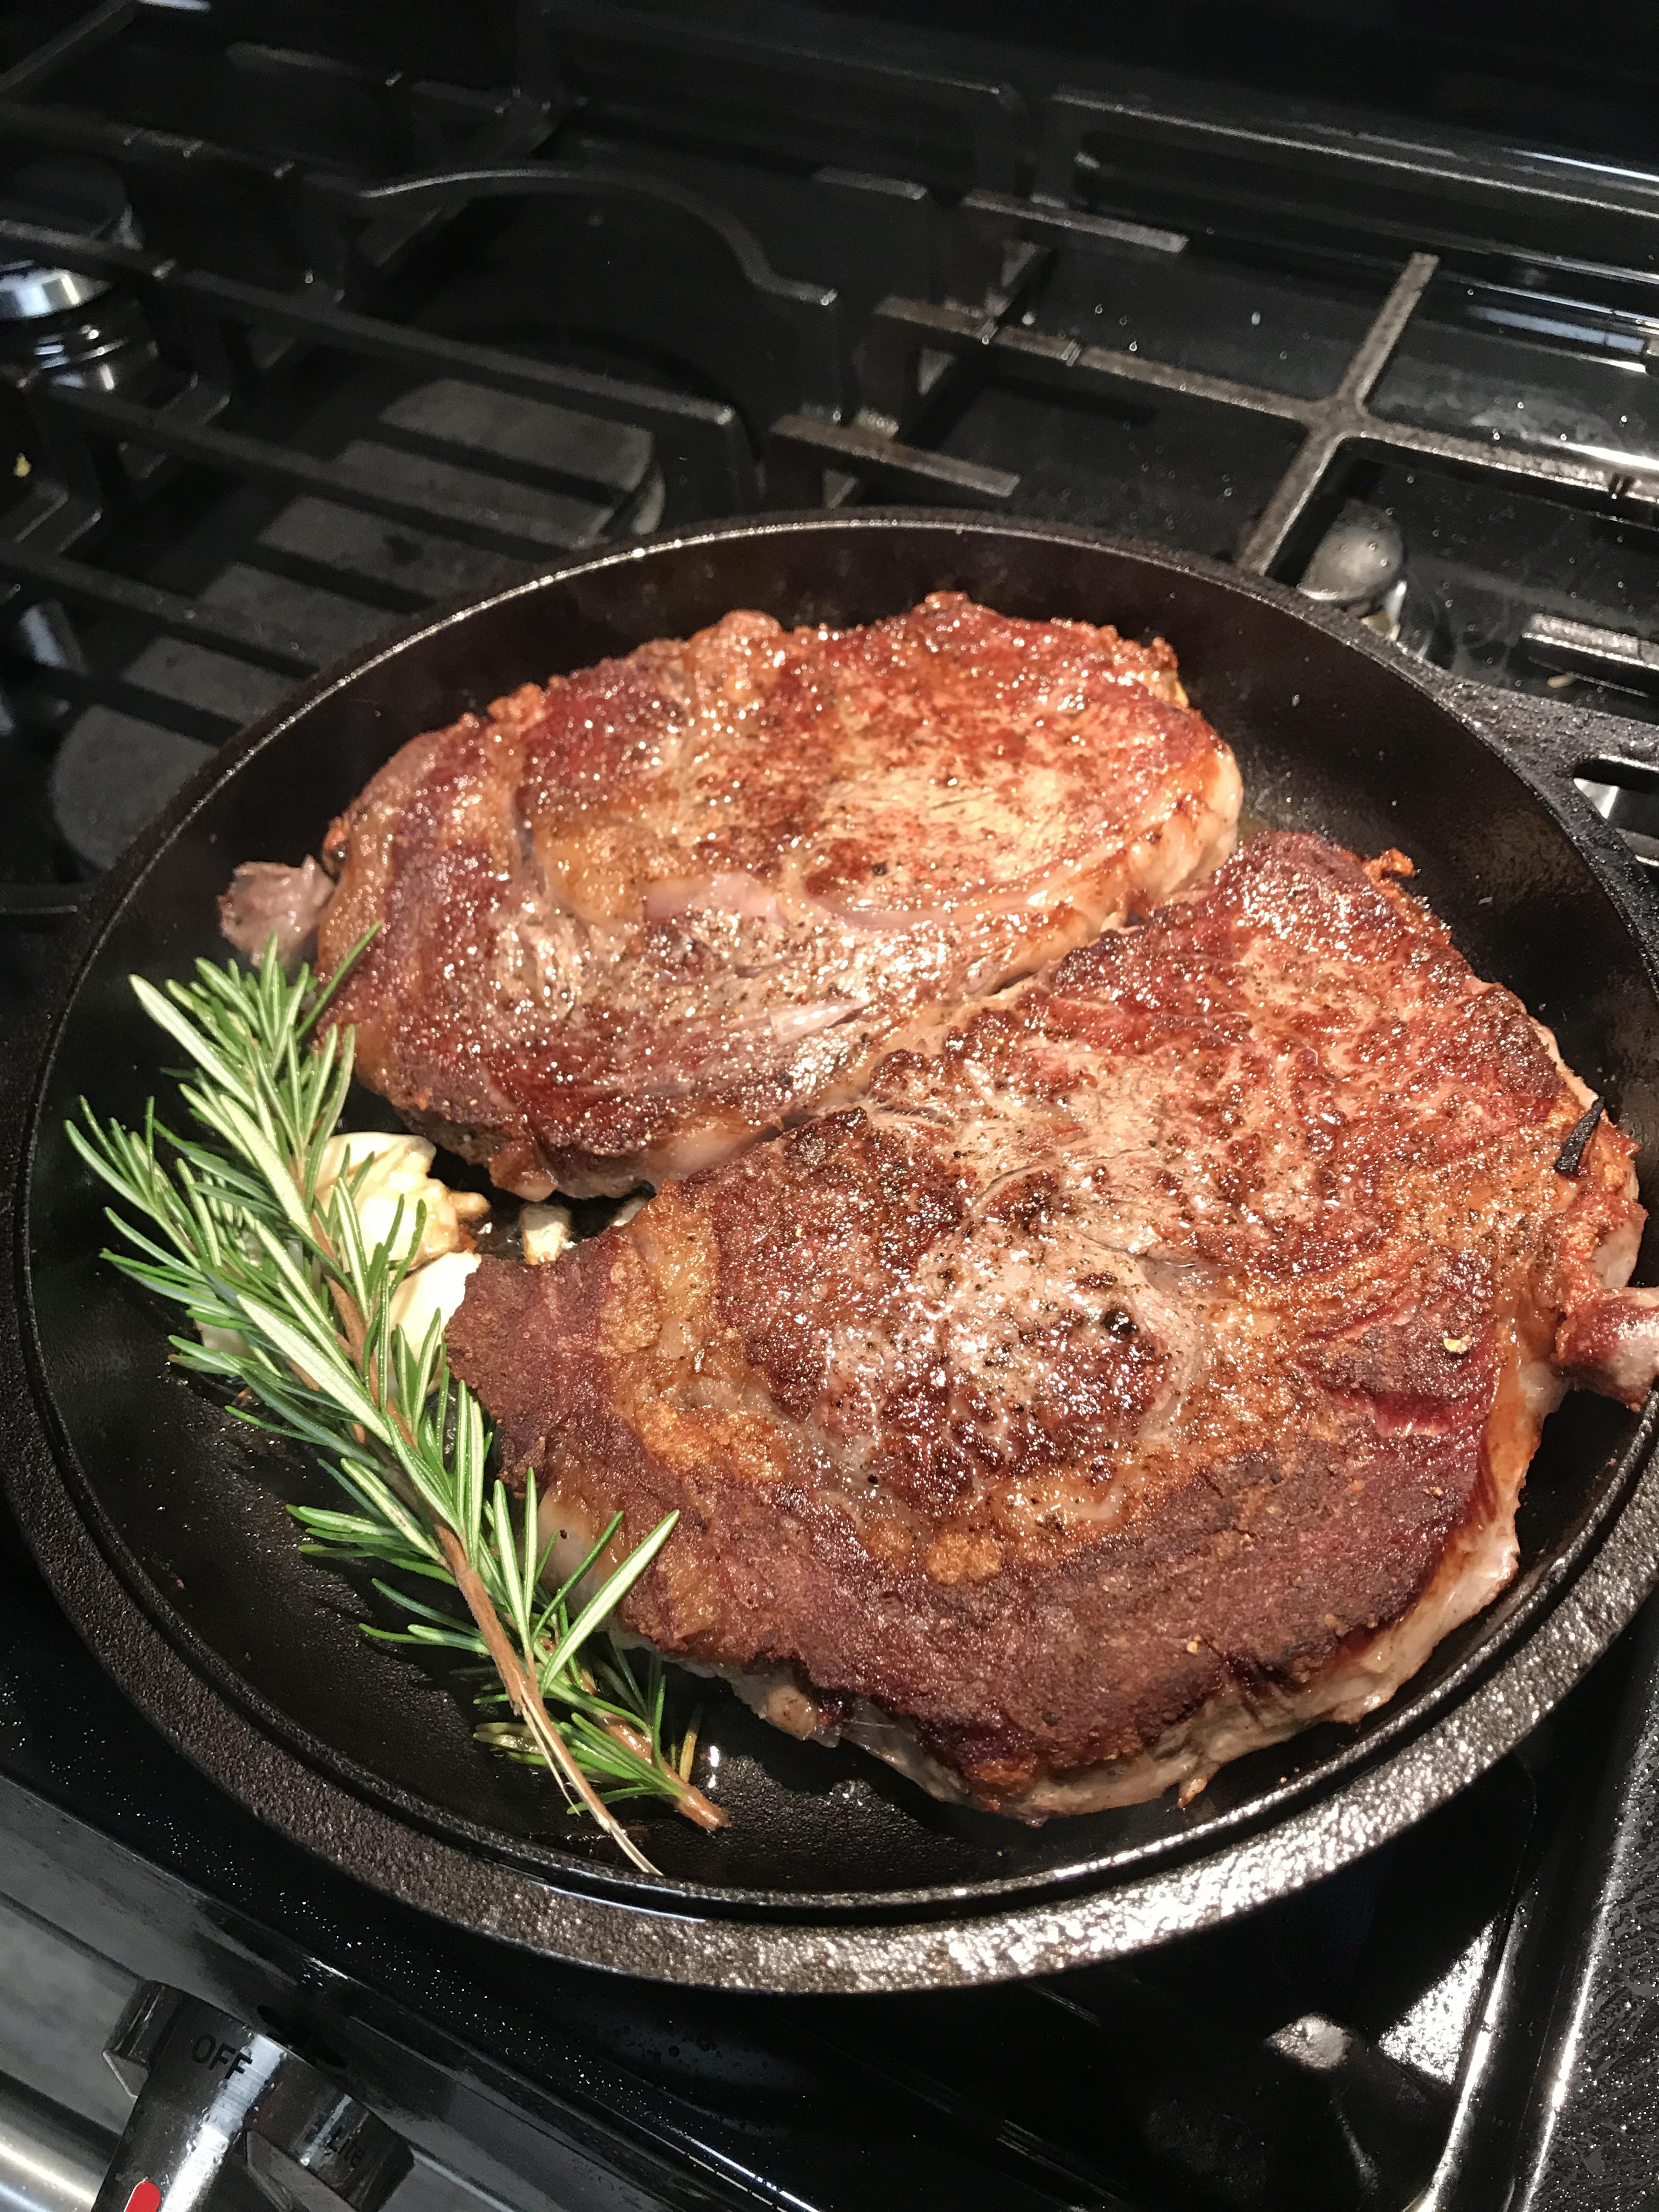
1522 1634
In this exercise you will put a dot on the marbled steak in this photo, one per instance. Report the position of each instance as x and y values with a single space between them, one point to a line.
1146 1369
629 919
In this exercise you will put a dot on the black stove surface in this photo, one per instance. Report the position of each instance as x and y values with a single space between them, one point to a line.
311 318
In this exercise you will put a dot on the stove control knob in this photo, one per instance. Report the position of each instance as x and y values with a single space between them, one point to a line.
210 2090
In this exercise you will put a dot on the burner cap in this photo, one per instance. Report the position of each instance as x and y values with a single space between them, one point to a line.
83 197
1358 558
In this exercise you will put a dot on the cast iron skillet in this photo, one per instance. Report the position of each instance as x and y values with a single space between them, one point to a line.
162 1528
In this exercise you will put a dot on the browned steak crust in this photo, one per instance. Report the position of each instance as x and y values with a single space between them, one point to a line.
630 918
1149 1368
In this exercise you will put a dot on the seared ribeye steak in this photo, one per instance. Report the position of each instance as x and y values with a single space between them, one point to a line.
1146 1369
630 918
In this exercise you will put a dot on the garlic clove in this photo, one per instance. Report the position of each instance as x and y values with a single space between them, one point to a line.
221 1339
394 1161
545 1230
391 1170
433 1291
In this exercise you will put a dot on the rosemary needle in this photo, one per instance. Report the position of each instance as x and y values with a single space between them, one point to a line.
293 1305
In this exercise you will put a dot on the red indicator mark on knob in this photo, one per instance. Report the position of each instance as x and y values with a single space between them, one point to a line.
145 2197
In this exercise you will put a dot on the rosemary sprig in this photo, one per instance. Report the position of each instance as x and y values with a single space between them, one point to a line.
293 1306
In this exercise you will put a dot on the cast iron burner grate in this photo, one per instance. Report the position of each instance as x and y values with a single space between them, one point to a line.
312 318
391 336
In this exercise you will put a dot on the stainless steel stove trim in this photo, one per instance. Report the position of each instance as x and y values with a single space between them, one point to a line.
50 2160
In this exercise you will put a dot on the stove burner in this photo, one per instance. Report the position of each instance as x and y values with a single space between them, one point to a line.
81 328
82 197
1360 564
1359 561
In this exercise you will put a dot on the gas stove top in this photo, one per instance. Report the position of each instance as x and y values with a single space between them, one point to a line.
310 318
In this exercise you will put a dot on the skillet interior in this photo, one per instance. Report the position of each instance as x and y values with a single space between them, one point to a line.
1331 735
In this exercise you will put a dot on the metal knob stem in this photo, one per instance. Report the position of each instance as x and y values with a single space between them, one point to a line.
210 2089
